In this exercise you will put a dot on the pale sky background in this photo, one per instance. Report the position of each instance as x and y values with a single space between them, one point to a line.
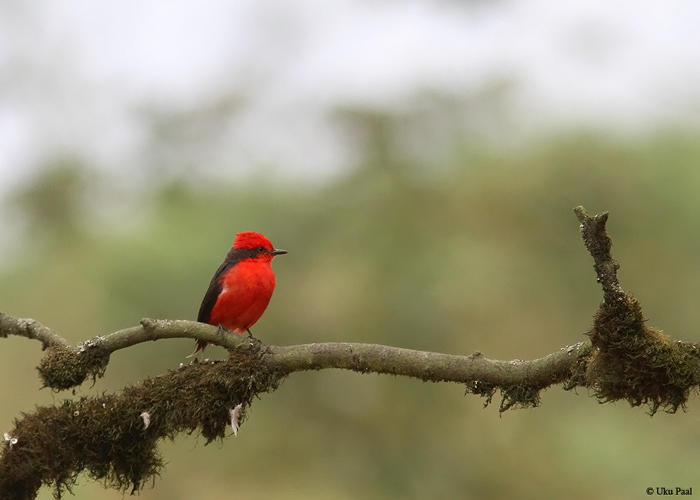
74 75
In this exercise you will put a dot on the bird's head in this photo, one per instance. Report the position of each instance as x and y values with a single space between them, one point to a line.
256 242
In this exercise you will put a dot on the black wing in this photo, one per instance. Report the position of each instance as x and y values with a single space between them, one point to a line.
213 292
234 256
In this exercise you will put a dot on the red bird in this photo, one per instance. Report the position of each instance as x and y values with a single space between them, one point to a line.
241 288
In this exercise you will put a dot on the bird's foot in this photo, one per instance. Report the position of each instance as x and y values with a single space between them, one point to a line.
253 337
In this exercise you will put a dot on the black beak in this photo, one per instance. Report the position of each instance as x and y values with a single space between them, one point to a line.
278 251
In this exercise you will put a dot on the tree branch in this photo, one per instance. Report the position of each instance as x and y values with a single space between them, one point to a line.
478 372
599 245
474 370
629 359
114 437
31 329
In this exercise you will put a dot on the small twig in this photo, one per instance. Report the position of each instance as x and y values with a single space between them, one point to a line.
148 330
31 329
599 245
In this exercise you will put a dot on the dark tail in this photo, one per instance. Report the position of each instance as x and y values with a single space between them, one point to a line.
200 346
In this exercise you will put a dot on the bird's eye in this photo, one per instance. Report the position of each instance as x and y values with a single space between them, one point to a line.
261 249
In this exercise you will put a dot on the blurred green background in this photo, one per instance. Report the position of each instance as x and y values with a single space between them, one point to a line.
420 162
470 249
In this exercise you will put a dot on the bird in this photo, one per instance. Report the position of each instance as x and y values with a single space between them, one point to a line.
241 288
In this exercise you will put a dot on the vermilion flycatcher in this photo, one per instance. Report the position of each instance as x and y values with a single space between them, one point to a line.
241 288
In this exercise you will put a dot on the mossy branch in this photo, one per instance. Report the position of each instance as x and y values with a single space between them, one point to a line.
64 367
629 359
114 437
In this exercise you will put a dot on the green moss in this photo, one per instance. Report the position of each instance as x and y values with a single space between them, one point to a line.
107 437
62 368
519 396
483 389
577 375
639 364
513 396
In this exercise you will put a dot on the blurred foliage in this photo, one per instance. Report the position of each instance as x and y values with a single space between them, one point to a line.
461 249
53 204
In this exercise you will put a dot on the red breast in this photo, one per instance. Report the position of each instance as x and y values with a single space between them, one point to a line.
246 291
